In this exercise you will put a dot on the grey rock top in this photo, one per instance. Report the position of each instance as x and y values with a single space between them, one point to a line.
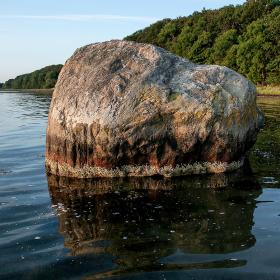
128 109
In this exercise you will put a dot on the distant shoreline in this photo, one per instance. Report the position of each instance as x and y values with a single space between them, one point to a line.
269 95
268 91
40 90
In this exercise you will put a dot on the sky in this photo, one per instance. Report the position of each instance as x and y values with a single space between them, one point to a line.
37 33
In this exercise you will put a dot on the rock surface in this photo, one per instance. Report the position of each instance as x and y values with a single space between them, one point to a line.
128 109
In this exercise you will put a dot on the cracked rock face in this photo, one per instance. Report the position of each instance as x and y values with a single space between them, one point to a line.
128 109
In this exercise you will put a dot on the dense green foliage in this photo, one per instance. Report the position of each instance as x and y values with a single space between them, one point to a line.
245 38
40 79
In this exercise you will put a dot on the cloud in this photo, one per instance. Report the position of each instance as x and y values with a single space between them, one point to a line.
73 17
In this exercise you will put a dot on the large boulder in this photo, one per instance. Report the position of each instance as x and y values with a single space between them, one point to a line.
128 109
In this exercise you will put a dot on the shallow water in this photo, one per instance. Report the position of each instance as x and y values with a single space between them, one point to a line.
203 227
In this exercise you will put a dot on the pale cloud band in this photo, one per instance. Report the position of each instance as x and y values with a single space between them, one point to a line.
74 17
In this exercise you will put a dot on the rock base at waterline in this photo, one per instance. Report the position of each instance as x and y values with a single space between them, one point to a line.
141 171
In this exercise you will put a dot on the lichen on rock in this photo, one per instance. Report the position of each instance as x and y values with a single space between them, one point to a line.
128 109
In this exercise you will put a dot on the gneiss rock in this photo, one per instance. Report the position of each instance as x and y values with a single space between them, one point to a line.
127 109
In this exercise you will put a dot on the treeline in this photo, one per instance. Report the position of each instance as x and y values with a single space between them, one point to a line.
44 78
245 38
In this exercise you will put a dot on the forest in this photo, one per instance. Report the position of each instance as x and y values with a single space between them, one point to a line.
44 78
245 38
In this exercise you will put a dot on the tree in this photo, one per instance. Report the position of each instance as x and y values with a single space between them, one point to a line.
200 50
258 51
222 45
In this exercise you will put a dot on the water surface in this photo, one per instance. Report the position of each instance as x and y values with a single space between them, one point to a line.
200 227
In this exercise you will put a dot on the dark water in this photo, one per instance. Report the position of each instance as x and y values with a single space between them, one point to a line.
210 227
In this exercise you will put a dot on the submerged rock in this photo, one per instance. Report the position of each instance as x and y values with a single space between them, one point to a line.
128 109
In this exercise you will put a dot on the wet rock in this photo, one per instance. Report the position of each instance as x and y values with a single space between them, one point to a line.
127 109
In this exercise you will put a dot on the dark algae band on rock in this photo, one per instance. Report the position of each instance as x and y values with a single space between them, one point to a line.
130 109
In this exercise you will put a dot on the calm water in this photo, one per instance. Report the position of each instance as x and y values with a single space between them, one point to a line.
210 227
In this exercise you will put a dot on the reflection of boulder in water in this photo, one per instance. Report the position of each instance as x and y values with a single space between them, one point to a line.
140 220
